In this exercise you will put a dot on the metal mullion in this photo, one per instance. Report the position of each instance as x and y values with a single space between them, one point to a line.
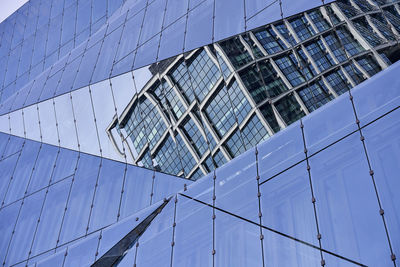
372 174
259 207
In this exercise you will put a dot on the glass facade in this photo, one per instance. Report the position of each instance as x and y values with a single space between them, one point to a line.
200 133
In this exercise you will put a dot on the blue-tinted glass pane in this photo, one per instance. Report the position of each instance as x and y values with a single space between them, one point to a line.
384 89
131 36
7 166
81 196
87 66
153 20
175 10
137 190
82 253
25 228
193 234
172 39
7 223
383 145
197 36
106 57
237 242
280 151
286 204
236 186
229 18
113 234
108 194
51 217
155 243
344 189
43 167
65 165
324 127
23 171
165 185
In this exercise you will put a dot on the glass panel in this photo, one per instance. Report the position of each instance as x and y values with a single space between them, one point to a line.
65 119
137 190
22 172
344 190
53 260
87 66
41 174
172 39
51 217
197 36
280 151
9 215
384 89
153 20
83 253
68 77
193 234
237 242
261 12
147 53
113 234
123 90
104 111
81 196
25 228
330 123
155 243
106 56
286 204
175 10
383 146
236 186
7 166
108 194
229 18
86 128
131 36
48 124
31 122
282 251
17 123
65 165
165 185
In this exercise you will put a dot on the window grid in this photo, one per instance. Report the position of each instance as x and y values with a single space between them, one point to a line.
318 20
281 27
338 82
269 40
239 102
254 132
234 144
289 109
268 113
318 52
166 157
204 74
315 95
194 136
302 28
290 69
369 65
236 52
220 113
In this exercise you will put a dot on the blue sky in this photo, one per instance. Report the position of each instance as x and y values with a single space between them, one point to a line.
7 7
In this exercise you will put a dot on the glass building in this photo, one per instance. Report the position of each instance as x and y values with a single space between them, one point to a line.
200 133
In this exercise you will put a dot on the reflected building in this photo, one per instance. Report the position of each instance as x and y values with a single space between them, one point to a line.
200 133
198 110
